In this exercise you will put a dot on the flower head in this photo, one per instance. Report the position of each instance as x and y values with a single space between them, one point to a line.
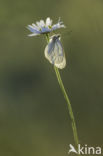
42 27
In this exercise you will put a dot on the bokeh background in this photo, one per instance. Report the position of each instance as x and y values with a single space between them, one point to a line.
34 118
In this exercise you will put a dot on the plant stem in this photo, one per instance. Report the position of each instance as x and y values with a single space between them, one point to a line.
69 106
68 103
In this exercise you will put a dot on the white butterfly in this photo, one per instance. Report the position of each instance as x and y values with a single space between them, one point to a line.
54 52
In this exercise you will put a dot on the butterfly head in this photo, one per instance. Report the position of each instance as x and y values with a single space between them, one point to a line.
55 37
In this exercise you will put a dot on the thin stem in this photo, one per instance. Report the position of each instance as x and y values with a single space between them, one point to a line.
69 106
68 103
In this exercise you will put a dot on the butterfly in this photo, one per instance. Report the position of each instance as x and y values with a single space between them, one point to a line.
54 52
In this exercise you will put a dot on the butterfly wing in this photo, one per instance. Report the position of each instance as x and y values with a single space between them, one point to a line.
49 52
55 54
60 61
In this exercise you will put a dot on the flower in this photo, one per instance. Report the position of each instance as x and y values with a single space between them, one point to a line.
44 27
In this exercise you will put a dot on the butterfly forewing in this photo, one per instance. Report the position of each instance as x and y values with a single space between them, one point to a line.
49 52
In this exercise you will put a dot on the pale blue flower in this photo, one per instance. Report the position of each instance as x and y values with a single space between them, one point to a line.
44 27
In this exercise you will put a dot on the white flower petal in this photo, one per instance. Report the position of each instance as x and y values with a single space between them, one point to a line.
35 26
30 35
48 22
38 25
57 26
63 26
54 27
42 24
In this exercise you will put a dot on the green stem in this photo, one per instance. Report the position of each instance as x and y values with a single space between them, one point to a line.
68 103
69 106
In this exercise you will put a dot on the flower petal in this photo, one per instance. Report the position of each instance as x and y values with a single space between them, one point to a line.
35 26
33 34
57 26
48 22
32 29
42 24
38 25
45 30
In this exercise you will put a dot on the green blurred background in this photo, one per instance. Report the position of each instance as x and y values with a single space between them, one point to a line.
34 118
